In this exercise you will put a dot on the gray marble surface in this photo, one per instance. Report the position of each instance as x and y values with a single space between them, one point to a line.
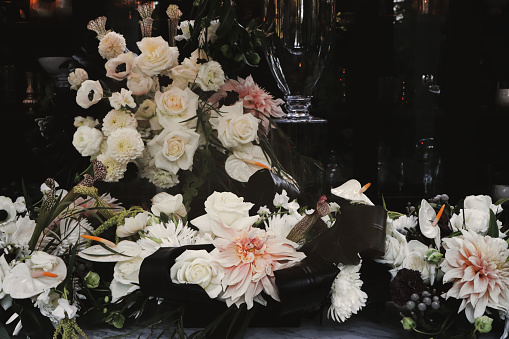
354 328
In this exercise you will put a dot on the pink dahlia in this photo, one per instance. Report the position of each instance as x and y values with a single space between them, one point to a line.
477 266
249 258
256 100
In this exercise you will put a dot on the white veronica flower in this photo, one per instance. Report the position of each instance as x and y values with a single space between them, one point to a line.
112 45
119 68
122 99
77 77
87 140
174 149
210 76
118 119
125 144
347 298
114 169
88 121
90 93
245 161
281 200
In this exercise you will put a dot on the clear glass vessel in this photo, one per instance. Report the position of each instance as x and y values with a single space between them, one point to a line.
302 35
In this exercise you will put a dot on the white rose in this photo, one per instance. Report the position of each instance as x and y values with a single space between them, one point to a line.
227 210
122 99
396 248
77 77
133 225
126 272
88 121
8 210
185 73
168 204
174 149
414 260
139 84
475 216
89 93
210 76
43 260
198 267
120 67
235 128
175 106
156 55
87 140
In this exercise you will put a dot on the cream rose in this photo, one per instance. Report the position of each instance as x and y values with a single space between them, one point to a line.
476 214
87 140
168 204
89 93
227 210
156 56
139 84
77 77
210 76
173 149
235 128
198 267
126 272
175 106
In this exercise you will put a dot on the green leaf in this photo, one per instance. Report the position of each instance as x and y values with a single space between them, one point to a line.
493 228
501 201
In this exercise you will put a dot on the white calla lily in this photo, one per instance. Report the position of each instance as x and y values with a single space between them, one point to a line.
352 190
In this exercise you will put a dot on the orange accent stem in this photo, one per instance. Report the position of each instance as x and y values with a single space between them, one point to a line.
104 241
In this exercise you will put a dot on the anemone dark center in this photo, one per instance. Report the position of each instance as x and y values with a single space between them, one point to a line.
91 95
121 68
3 215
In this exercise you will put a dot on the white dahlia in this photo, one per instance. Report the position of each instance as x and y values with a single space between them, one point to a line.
118 119
477 265
347 298
114 170
112 45
125 144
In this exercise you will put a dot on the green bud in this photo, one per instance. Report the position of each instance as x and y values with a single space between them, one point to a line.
408 323
106 299
92 279
483 324
254 58
238 57
433 256
116 319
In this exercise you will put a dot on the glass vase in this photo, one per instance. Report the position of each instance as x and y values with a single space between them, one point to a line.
301 37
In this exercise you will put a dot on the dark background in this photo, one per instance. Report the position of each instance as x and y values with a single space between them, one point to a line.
385 115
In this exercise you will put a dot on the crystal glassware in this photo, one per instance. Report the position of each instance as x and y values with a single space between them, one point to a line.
301 37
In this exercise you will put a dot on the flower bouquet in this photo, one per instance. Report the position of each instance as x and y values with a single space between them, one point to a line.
450 267
79 257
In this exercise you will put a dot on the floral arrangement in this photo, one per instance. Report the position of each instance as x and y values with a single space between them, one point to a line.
177 121
78 255
449 266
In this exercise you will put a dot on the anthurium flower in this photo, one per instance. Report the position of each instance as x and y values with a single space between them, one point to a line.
124 250
352 190
428 222
25 281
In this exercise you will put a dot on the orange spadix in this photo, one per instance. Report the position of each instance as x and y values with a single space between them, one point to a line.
364 188
104 241
256 163
437 218
38 274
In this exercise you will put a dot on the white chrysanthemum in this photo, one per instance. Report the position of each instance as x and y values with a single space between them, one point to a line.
172 235
122 99
125 144
347 298
112 45
77 77
405 222
114 170
87 140
210 76
281 224
118 119
160 177
88 121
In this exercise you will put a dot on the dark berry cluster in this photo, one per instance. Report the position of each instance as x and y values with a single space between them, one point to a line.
423 301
